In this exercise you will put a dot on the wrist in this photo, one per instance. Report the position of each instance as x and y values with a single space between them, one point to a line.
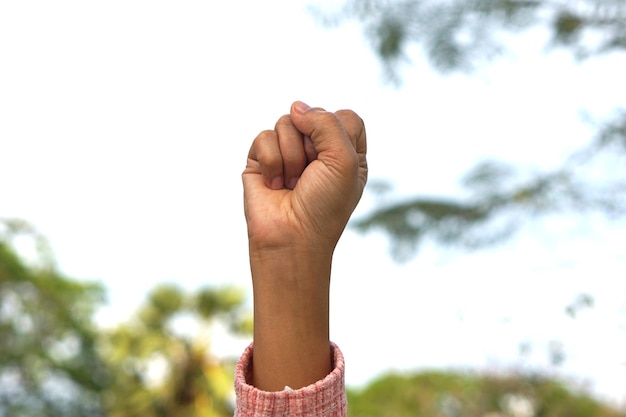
267 245
290 282
290 261
291 317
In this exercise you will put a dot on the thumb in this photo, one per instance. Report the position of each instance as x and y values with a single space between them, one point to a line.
325 129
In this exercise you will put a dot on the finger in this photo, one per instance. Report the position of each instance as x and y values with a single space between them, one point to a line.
291 143
355 128
309 150
266 151
324 128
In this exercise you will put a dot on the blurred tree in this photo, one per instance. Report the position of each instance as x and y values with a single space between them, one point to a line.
162 367
450 394
459 35
54 361
49 364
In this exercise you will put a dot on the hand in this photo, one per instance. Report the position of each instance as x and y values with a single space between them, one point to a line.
301 184
304 178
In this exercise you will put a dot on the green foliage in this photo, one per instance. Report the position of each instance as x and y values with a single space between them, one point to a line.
459 35
499 199
49 364
160 370
451 394
54 361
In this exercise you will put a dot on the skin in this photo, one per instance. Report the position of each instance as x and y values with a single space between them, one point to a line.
302 181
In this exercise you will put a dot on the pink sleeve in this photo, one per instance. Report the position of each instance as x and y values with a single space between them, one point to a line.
325 398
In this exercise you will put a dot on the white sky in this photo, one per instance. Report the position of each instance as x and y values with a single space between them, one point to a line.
124 127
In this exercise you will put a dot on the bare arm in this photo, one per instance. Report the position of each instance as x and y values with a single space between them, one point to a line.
301 184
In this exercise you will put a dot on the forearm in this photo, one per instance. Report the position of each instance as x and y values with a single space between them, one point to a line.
291 337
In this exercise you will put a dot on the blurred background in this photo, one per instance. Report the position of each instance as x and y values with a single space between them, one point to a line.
482 274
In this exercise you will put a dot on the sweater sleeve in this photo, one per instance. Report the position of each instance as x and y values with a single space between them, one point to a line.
325 398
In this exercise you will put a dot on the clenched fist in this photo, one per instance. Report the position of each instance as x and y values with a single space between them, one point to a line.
304 178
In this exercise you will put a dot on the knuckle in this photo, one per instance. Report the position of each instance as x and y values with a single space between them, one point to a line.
354 126
266 148
350 118
331 118
284 120
347 114
328 122
265 135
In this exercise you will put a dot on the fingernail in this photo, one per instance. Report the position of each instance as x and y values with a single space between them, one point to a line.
300 107
277 183
291 183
